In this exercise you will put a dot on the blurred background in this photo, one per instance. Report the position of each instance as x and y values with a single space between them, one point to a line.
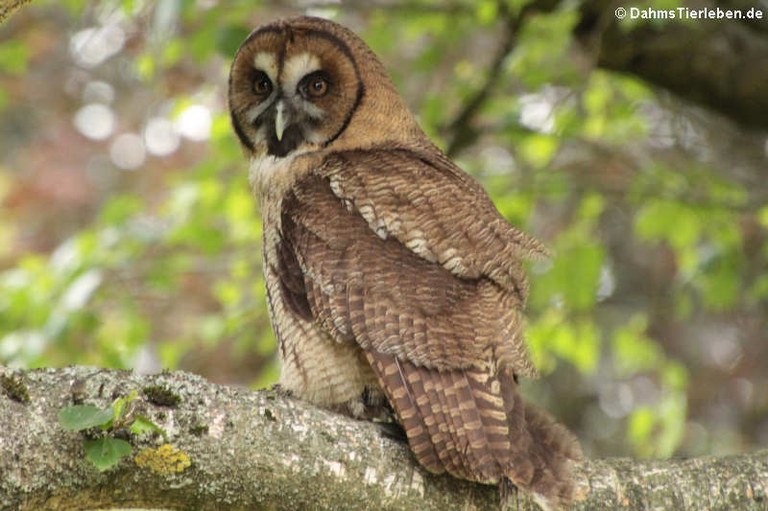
129 237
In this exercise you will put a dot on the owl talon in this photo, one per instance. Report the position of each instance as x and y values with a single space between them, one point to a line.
280 390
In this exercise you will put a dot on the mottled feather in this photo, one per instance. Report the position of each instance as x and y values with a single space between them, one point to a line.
437 342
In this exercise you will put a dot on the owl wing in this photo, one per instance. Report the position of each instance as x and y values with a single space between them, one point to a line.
436 210
406 269
445 347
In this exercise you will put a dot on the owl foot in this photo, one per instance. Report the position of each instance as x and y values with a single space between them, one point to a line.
280 390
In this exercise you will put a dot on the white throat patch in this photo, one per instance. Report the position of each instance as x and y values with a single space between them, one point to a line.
264 171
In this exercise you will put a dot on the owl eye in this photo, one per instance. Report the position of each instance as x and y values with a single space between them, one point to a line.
314 85
261 84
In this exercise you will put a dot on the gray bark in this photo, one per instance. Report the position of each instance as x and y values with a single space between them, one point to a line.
260 450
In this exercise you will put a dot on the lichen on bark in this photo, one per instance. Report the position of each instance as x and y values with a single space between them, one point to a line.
254 450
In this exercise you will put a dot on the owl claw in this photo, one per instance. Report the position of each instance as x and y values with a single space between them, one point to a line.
280 390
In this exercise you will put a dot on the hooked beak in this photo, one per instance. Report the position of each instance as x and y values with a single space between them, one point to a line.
287 135
281 120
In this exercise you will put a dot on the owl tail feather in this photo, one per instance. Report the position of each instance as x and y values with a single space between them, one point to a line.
542 452
551 454
557 449
474 425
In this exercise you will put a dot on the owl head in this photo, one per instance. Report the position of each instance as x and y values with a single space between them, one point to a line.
305 84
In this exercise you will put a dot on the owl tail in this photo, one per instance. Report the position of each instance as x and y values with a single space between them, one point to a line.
475 425
552 451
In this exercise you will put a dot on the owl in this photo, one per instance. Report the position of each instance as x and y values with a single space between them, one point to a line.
392 281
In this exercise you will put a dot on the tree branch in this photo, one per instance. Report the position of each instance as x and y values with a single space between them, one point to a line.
461 130
719 64
259 450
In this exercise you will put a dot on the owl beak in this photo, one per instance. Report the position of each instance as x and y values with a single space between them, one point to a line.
281 120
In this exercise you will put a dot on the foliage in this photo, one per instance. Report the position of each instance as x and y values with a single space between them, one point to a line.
103 450
177 271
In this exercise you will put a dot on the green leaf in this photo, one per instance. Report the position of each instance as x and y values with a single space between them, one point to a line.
119 405
14 57
762 216
80 417
633 350
120 209
106 452
538 149
640 428
229 38
486 12
143 425
575 340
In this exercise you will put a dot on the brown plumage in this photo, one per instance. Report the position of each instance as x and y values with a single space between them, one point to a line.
391 277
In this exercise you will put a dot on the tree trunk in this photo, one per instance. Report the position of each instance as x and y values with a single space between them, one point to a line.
260 450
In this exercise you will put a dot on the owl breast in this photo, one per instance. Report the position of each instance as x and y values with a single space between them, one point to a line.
315 367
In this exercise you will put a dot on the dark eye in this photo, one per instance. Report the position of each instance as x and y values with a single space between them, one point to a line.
314 85
261 84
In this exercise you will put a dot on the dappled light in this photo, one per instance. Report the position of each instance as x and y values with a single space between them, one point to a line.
95 121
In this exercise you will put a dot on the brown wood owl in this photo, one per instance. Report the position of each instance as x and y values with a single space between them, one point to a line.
391 277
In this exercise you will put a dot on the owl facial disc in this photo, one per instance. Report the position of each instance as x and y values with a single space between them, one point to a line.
293 89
